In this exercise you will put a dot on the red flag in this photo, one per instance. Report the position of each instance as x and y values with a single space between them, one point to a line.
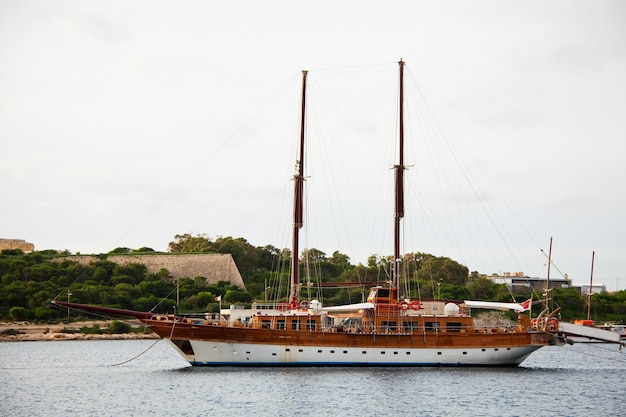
218 298
526 304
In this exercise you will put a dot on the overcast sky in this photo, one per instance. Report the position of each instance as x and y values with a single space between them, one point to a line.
124 123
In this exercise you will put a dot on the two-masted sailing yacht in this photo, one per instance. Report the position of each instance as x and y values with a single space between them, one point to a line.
387 330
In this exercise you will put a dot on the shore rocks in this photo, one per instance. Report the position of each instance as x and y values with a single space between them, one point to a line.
25 331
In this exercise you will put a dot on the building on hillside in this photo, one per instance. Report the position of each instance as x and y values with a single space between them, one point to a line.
594 289
16 244
517 280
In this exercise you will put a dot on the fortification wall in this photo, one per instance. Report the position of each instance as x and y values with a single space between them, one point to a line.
214 267
16 244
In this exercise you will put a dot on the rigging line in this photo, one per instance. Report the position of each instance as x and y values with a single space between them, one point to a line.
255 214
203 163
595 345
338 216
64 291
429 125
132 359
352 67
339 111
552 263
163 299
491 213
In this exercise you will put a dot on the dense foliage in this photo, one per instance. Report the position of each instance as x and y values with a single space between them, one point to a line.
28 282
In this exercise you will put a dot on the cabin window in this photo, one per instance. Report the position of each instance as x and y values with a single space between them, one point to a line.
410 326
453 326
351 323
280 325
295 325
389 326
266 324
384 293
431 326
310 324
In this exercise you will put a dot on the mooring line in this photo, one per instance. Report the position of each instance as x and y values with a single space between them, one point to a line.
132 359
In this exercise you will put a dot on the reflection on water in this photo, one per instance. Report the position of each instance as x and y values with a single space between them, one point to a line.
79 377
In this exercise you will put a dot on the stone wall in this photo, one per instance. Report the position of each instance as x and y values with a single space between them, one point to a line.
16 244
214 267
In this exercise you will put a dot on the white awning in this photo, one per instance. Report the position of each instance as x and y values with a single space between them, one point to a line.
494 306
592 332
350 307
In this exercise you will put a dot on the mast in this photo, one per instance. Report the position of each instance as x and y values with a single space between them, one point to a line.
548 277
399 186
298 205
590 292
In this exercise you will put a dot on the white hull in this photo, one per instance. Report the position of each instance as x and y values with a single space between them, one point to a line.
211 353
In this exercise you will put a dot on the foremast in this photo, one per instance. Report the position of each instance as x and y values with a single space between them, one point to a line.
298 206
399 187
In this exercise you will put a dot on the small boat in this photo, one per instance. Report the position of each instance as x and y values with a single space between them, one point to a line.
386 330
586 330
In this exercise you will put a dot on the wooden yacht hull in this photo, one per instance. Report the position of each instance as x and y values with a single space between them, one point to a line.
223 346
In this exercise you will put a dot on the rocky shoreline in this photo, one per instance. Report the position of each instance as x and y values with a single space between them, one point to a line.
25 331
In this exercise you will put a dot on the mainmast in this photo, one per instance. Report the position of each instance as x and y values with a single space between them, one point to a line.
298 205
399 186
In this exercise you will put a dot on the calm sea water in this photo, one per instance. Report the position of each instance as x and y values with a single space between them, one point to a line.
82 378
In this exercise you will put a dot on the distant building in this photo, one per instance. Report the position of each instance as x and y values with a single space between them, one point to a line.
16 244
594 289
518 280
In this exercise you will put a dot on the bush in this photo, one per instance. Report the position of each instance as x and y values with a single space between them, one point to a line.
118 327
95 329
20 313
44 313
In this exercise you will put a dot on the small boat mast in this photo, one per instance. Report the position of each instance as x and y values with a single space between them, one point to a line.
298 204
590 292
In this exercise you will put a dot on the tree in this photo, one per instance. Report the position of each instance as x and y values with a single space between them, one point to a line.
340 259
186 243
313 255
121 251
244 254
143 249
440 269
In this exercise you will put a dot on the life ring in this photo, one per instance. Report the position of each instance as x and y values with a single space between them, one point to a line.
293 305
416 305
282 306
404 306
304 305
